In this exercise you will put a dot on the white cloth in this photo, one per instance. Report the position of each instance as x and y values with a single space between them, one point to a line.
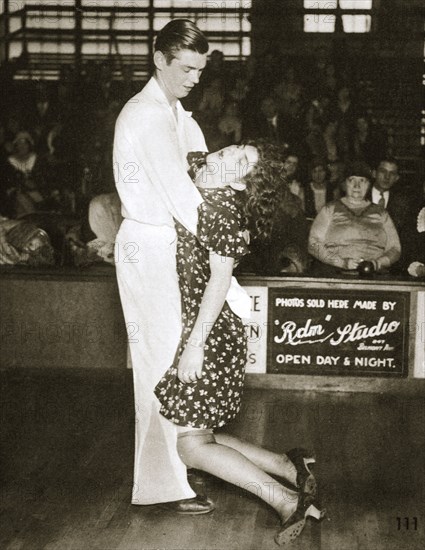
150 165
150 149
239 300
376 196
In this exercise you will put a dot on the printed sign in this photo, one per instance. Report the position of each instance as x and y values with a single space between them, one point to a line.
256 330
338 332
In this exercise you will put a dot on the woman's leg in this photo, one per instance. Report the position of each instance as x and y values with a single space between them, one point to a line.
268 461
201 451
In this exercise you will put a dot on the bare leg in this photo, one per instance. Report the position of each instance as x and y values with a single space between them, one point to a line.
268 461
204 453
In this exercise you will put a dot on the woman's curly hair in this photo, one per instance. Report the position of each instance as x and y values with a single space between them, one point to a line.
267 191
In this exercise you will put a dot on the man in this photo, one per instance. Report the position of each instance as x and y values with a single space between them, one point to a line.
268 124
153 135
384 192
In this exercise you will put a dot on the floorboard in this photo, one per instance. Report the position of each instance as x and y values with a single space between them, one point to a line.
67 451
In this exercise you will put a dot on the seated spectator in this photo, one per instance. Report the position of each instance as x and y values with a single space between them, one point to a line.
23 178
93 239
105 219
317 192
23 243
291 169
343 112
329 136
336 169
42 114
352 230
230 125
413 238
212 101
369 142
318 111
315 142
387 193
268 124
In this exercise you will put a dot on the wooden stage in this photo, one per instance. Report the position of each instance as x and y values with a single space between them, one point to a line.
67 456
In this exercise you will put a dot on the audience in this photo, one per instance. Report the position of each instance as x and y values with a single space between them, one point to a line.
353 230
55 150
23 178
23 243
387 193
318 191
413 238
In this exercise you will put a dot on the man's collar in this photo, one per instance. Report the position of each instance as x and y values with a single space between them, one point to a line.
155 92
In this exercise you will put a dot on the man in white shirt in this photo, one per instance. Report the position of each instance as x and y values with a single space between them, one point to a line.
387 193
153 135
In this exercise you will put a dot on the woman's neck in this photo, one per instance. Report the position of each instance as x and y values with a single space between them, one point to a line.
355 202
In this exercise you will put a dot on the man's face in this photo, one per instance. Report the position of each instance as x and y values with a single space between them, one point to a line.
182 74
290 165
386 176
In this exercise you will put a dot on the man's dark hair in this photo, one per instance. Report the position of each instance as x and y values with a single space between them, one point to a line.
389 159
180 34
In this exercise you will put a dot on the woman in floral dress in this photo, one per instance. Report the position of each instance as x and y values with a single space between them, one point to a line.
241 187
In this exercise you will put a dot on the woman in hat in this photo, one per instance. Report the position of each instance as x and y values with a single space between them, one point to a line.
352 229
24 178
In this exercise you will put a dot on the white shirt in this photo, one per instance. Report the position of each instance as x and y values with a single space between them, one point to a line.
376 196
150 166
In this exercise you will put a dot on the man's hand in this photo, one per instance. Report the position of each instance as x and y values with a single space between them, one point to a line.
190 364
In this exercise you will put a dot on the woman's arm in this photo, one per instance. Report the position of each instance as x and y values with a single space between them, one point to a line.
191 361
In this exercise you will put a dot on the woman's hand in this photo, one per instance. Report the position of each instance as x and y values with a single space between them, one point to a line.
351 263
190 364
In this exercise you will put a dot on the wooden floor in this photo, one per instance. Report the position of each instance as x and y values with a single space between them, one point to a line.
67 452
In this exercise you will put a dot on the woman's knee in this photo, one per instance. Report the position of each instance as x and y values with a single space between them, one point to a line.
190 447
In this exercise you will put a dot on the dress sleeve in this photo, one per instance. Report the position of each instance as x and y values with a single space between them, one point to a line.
219 231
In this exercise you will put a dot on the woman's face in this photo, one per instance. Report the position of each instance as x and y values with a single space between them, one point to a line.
356 187
229 165
318 174
22 147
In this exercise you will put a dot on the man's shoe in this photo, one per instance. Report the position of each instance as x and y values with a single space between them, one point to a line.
189 506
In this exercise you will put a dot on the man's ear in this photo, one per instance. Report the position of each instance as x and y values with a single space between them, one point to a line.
159 60
238 186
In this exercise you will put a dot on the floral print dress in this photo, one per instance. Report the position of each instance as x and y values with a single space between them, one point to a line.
215 399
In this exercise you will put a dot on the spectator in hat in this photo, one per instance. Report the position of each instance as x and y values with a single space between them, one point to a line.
23 178
352 229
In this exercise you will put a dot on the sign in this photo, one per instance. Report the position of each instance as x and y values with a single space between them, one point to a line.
256 330
338 331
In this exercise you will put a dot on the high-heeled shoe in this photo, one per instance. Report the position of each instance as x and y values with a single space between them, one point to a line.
293 526
302 459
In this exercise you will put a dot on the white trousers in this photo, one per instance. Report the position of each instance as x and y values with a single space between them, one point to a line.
150 297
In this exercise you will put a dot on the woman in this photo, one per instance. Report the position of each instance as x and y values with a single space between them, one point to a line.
202 390
352 229
24 178
318 191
